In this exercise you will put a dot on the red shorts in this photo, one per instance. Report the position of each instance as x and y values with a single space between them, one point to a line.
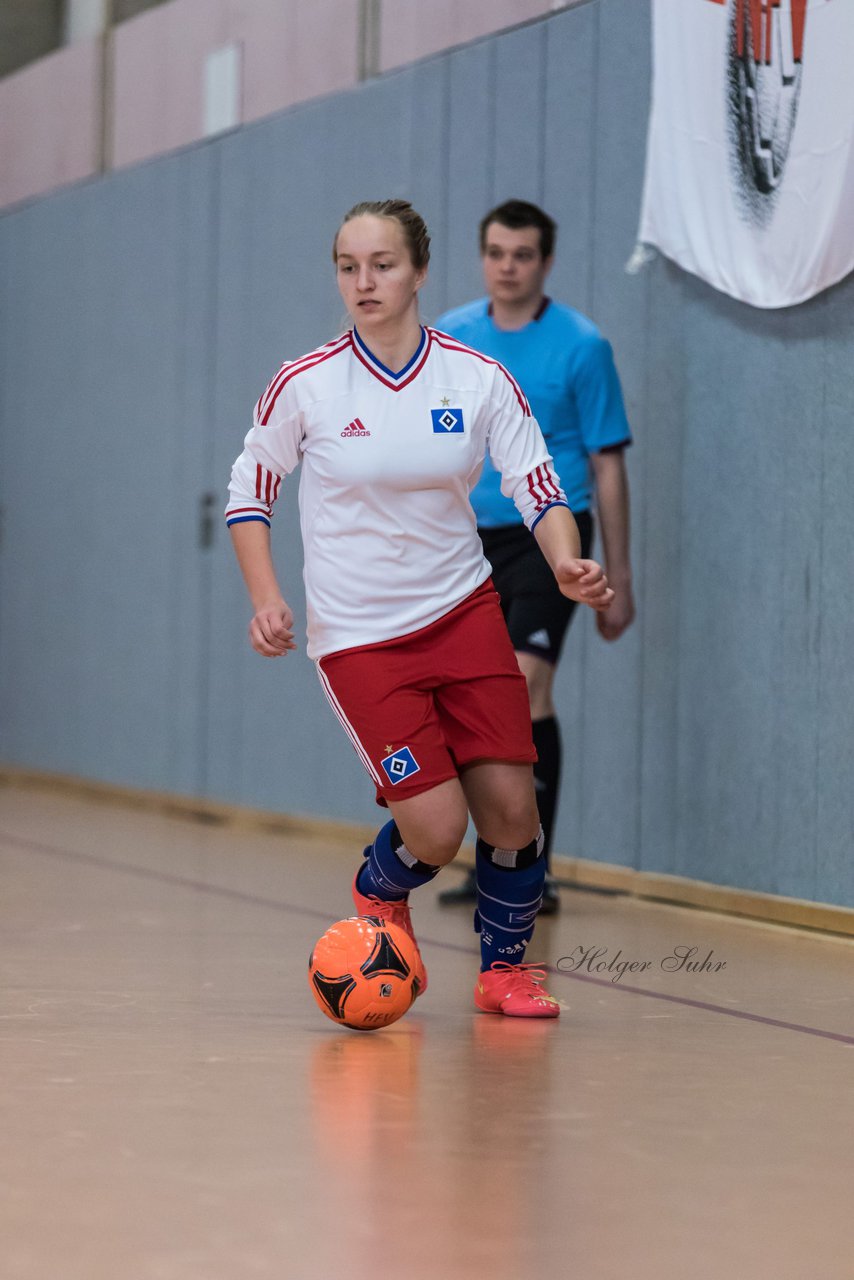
420 708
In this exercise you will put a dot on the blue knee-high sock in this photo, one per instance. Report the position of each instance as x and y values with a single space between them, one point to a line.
509 893
390 870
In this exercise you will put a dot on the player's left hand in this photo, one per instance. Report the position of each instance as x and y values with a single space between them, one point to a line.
584 581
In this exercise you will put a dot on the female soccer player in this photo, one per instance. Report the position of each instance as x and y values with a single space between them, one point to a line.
391 422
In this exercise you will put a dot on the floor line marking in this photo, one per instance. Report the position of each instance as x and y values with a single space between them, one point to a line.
203 886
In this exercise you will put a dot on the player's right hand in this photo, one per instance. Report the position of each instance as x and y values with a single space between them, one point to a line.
271 630
584 581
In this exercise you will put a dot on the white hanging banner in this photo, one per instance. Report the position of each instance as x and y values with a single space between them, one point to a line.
750 158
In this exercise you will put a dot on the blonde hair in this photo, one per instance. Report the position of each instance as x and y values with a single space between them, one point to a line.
411 224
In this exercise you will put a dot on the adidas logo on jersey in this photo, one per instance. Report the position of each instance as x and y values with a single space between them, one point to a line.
355 428
539 638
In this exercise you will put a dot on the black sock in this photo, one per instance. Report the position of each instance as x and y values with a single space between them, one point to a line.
547 776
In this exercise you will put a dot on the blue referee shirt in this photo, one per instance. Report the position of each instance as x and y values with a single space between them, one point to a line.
566 369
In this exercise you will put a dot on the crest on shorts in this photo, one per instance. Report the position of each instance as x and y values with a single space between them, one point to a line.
401 764
447 422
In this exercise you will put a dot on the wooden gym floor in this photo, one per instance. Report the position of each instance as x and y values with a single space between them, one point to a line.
175 1107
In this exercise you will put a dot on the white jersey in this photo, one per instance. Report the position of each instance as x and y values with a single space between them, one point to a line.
388 462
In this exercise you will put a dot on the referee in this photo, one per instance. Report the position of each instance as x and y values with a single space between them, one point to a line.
566 369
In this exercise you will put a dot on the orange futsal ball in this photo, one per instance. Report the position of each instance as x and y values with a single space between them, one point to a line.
362 972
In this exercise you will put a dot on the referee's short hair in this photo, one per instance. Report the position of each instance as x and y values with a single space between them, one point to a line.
517 214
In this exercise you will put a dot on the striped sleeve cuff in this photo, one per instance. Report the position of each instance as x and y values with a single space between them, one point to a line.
240 515
538 491
538 518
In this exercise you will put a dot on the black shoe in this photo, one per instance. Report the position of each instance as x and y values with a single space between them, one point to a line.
462 894
551 899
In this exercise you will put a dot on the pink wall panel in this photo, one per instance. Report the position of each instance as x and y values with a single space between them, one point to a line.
292 50
298 50
159 76
49 130
412 29
161 56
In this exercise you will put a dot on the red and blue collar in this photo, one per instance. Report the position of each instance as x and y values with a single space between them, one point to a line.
394 381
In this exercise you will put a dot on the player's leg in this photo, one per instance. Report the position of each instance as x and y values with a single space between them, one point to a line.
510 872
424 833
509 860
486 723
393 726
501 547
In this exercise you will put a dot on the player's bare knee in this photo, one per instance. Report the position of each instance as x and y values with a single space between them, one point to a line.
435 853
510 827
438 844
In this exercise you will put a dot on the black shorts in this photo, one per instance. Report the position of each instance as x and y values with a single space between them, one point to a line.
536 613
